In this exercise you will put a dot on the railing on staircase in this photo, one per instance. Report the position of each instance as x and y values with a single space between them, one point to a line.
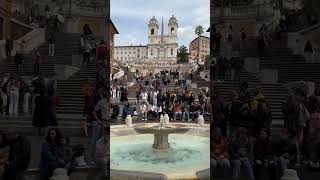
252 11
85 9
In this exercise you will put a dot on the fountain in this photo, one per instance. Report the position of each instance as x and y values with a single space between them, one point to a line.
179 151
161 133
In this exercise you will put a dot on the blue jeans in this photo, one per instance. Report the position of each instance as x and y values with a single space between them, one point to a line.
185 115
236 167
175 115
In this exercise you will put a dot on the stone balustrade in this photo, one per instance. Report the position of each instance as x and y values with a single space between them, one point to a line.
253 11
81 173
87 10
244 10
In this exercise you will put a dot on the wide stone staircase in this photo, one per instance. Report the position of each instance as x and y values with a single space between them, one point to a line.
290 67
66 44
69 120
72 99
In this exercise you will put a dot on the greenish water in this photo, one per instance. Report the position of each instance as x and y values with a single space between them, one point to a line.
187 153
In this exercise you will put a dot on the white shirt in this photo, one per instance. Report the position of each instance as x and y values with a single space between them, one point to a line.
143 108
155 94
144 96
159 109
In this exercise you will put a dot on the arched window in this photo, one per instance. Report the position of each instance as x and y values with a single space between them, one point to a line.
172 30
151 52
171 51
152 31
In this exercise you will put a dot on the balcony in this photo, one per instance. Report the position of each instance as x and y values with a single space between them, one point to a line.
243 12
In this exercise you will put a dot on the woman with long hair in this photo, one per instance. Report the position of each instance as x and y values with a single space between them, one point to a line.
49 153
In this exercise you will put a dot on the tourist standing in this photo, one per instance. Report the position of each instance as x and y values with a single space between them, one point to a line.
51 44
18 60
102 51
36 61
144 111
308 51
8 47
40 115
13 91
4 95
86 55
26 98
243 40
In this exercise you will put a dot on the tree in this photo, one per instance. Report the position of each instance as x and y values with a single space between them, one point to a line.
182 55
199 31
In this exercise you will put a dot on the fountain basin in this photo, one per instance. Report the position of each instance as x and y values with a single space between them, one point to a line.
161 140
187 158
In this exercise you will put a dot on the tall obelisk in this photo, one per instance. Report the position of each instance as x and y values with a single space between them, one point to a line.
161 49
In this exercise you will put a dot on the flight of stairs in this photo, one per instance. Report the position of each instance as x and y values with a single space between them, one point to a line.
72 99
290 67
66 45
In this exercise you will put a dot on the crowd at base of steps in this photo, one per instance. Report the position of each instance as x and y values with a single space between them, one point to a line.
154 98
58 158
247 119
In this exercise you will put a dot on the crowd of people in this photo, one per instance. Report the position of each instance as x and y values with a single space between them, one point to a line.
58 158
242 135
154 97
296 19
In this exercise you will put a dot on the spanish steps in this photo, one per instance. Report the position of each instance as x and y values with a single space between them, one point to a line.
69 113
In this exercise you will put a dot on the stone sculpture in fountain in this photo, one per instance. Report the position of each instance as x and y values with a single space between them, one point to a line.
161 132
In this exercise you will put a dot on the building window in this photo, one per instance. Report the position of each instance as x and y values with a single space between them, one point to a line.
172 30
138 50
171 51
151 52
152 31
138 56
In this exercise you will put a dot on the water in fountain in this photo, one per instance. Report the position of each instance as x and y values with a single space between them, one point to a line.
190 152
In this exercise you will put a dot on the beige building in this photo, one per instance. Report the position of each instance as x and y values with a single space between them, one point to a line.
160 47
203 44
129 53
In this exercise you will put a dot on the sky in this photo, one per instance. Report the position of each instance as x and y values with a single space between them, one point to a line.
131 18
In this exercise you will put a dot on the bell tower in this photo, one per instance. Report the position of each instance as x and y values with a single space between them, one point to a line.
173 26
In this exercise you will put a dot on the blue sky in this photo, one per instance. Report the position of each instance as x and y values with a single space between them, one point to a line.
131 18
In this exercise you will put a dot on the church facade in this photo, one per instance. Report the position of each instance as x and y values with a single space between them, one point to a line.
160 48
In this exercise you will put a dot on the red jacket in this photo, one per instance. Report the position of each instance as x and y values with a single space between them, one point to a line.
102 51
218 149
